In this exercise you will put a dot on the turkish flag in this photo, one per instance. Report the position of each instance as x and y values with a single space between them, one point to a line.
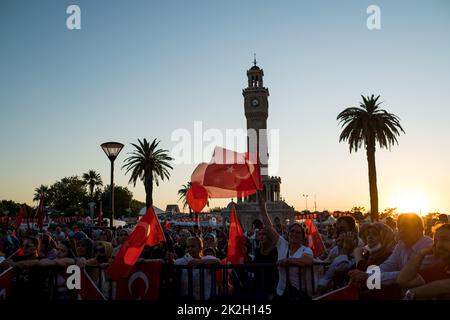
40 213
314 240
148 232
228 174
143 283
20 217
5 283
346 293
236 241
235 250
89 290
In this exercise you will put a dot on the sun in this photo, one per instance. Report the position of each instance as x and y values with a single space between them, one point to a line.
412 201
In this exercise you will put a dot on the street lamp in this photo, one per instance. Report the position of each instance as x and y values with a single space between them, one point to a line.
306 199
112 150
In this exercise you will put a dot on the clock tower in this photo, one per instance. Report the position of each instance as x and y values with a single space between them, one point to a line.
256 107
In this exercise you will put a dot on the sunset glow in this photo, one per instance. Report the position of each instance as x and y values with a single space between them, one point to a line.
412 201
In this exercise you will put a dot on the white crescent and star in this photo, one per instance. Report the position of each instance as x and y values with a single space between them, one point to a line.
134 277
230 169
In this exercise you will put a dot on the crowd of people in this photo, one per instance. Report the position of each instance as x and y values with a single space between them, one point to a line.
413 258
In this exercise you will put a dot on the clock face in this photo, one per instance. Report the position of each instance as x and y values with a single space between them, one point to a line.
255 102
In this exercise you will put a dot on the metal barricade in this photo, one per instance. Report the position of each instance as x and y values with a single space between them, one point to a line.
251 281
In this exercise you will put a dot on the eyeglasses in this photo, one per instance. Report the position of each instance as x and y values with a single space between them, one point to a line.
100 250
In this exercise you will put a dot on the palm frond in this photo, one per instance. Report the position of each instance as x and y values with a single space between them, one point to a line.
147 163
368 124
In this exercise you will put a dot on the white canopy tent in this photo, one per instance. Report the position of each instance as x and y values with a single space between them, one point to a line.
330 220
156 209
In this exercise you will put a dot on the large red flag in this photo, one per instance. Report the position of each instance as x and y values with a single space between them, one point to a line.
89 290
143 283
236 241
5 283
40 213
20 217
148 232
228 174
314 240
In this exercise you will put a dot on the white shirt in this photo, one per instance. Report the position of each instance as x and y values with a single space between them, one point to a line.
184 281
390 268
283 248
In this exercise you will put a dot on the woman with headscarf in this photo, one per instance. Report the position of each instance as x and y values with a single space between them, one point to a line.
379 242
102 254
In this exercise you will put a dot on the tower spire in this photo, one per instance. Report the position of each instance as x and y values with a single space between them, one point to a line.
254 59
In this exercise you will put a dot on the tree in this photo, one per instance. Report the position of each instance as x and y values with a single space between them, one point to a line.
9 207
68 195
388 212
122 199
41 191
92 179
358 209
366 125
182 193
358 212
136 207
148 164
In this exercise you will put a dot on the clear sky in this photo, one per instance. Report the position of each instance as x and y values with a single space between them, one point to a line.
146 68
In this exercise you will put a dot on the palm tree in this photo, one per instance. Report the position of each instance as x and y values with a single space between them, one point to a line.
182 193
148 164
92 179
41 191
366 125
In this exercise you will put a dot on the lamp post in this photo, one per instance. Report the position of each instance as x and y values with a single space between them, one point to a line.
306 199
112 150
315 204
